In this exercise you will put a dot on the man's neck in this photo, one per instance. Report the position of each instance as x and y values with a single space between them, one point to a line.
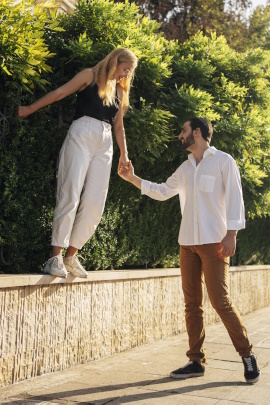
198 151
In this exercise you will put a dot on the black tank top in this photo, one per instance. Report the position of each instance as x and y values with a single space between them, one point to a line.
89 103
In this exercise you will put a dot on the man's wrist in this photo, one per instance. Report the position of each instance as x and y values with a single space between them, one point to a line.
132 180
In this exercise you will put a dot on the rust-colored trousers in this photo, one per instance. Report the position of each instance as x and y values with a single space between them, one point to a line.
201 263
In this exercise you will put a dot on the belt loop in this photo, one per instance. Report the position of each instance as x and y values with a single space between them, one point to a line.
106 125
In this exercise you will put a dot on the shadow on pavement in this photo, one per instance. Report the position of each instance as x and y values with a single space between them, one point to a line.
152 394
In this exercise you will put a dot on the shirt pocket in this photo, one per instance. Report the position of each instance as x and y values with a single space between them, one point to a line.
207 183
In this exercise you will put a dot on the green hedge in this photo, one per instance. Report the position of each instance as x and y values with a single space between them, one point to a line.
173 82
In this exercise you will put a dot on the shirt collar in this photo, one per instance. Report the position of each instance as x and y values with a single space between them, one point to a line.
209 151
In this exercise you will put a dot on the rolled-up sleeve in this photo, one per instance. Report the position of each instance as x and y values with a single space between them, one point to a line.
235 209
161 191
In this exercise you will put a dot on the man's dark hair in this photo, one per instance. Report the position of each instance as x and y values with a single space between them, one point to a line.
204 125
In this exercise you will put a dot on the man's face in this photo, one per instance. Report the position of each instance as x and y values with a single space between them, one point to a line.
186 136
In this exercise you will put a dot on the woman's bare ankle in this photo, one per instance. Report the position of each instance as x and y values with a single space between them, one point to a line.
71 251
56 250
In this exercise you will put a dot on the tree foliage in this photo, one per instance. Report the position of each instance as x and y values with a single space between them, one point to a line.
24 52
26 173
259 28
182 19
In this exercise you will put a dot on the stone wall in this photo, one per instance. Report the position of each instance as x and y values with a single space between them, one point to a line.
49 324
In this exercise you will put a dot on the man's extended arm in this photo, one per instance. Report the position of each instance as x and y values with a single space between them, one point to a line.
160 192
130 176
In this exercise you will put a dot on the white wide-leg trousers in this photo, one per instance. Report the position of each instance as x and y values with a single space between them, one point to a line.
83 179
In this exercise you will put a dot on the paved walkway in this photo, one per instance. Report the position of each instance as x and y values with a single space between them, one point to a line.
140 376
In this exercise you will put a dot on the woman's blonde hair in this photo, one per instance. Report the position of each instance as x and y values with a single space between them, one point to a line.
104 76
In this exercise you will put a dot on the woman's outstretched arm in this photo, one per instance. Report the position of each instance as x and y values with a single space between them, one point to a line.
77 83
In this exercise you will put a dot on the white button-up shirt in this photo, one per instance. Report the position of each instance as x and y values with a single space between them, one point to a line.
211 198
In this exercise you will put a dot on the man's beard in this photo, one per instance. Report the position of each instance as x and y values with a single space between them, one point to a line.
188 142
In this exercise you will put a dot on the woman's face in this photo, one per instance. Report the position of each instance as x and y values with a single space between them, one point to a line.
123 70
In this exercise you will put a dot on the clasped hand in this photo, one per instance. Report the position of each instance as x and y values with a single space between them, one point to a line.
126 171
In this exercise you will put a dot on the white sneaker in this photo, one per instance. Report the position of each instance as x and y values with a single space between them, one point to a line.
55 267
74 267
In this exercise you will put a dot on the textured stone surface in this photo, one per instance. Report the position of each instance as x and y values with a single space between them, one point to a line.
141 376
46 328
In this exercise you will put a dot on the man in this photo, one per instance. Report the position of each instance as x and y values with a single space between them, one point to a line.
210 192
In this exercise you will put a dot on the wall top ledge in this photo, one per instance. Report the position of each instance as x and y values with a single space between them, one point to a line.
20 280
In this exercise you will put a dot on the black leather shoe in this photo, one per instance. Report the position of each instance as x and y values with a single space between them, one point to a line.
192 369
252 370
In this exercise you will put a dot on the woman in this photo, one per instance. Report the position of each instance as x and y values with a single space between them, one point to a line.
86 155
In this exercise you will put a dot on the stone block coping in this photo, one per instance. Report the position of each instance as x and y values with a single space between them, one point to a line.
20 280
